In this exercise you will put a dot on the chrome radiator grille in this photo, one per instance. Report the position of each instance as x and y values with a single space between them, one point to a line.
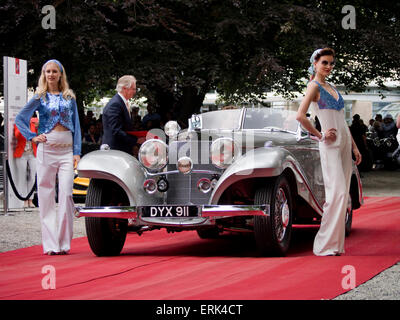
183 188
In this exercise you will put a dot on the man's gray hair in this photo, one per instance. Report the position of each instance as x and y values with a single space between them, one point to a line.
125 81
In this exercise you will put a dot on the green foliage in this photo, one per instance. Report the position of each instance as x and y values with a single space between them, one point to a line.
180 49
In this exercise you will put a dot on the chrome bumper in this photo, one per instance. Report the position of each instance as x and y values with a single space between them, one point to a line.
205 212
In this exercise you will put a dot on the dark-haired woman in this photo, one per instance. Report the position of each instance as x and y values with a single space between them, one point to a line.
335 145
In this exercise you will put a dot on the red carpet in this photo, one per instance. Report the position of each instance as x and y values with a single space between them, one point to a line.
158 265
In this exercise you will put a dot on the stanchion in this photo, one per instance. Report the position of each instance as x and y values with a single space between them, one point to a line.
4 185
6 174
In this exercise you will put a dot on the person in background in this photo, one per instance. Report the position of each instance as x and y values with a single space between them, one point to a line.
116 117
25 159
59 148
359 133
389 127
152 120
378 125
398 121
91 136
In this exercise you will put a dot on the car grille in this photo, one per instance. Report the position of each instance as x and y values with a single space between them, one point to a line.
183 187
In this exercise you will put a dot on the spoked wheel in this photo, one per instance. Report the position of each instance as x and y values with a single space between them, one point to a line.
273 232
106 236
349 216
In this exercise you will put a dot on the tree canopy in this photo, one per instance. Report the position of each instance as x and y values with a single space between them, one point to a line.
180 49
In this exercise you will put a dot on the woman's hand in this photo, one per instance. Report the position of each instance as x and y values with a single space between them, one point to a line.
357 155
39 139
77 158
330 135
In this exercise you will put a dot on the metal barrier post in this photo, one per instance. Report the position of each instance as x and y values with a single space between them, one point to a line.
3 191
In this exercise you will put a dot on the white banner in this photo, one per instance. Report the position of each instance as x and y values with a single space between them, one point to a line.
15 98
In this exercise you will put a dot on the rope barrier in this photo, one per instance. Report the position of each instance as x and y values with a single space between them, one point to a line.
14 187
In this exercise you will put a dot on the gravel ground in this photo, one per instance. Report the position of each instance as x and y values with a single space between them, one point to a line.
21 229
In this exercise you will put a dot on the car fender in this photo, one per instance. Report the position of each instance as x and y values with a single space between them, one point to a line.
119 167
263 163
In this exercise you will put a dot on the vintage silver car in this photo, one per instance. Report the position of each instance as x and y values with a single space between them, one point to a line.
240 170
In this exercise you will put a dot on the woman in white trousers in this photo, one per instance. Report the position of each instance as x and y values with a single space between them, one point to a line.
59 147
335 145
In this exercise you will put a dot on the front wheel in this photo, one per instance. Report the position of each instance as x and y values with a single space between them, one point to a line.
273 232
106 236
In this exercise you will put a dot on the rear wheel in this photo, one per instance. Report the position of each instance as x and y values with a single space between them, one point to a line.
106 236
273 232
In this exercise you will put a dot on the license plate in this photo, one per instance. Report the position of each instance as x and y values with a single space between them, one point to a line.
170 211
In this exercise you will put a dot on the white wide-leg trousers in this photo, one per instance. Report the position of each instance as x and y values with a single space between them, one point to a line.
336 165
53 158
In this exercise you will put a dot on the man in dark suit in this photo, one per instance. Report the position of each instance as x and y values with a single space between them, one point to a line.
116 117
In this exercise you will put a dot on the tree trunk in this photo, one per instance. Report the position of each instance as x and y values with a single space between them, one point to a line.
190 102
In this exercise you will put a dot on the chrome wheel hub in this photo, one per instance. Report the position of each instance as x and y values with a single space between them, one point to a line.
282 215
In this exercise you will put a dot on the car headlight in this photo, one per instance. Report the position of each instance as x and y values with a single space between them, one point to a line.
153 154
172 128
222 152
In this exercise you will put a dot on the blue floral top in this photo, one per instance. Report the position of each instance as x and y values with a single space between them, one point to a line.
327 101
55 109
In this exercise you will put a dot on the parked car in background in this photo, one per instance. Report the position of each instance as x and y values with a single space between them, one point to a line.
240 170
79 189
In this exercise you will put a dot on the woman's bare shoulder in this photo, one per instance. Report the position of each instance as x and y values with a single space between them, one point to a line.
312 85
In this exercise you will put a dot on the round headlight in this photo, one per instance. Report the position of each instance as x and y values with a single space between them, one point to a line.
222 152
185 165
153 154
172 128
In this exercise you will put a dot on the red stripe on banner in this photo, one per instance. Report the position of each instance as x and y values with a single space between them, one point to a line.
17 66
159 265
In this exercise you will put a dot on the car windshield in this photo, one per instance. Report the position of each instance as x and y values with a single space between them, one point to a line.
255 118
269 118
221 119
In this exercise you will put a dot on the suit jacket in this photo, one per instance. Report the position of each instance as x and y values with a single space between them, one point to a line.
116 121
21 141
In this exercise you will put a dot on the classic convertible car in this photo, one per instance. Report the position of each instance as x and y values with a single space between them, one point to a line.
240 170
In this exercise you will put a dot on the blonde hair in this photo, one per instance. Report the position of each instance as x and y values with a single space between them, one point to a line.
125 82
63 85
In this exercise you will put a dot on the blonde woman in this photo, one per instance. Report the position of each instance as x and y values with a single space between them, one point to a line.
59 148
335 147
